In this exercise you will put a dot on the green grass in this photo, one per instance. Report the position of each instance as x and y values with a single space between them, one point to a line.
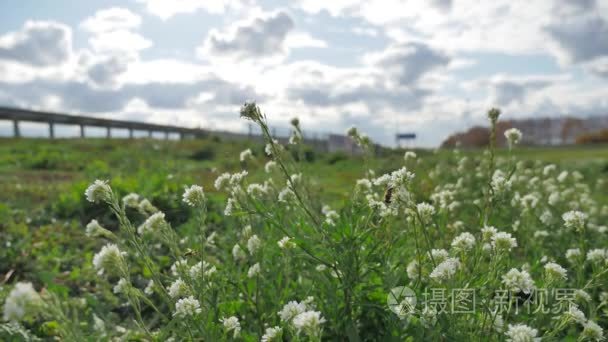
34 172
43 212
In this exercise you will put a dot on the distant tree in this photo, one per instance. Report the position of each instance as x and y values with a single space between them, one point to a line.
600 137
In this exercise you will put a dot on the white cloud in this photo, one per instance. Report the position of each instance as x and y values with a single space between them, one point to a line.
38 43
165 9
495 26
113 32
260 37
303 40
119 41
579 38
111 19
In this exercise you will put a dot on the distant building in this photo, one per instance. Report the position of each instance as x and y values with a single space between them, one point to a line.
540 132
342 143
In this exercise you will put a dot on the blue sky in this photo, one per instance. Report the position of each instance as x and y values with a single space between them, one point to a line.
426 66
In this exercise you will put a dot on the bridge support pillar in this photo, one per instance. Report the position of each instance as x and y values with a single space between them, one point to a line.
130 133
51 130
16 131
181 136
166 135
150 134
108 132
82 135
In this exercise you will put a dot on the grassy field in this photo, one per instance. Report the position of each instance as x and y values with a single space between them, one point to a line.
369 248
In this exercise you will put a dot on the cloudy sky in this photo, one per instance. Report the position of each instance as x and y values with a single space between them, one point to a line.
424 66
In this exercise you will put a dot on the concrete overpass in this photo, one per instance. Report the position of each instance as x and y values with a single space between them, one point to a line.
17 115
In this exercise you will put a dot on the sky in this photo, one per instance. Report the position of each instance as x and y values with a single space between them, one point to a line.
432 67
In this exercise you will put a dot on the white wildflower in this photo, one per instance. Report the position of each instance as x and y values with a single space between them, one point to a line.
409 155
503 241
231 324
593 331
291 310
597 255
286 194
562 176
99 191
246 154
573 254
549 169
582 296
575 314
412 270
154 223
521 333
146 207
238 253
269 147
274 334
256 190
555 271
488 232
94 228
131 200
546 217
179 267
149 290
270 166
463 242
425 210
253 270
554 198
439 255
222 180
253 244
518 281
445 270
500 183
331 216
178 289
194 196
20 301
229 207
99 325
529 201
364 184
187 307
201 269
237 178
574 220
513 136
286 243
109 259
247 231
122 286
309 322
